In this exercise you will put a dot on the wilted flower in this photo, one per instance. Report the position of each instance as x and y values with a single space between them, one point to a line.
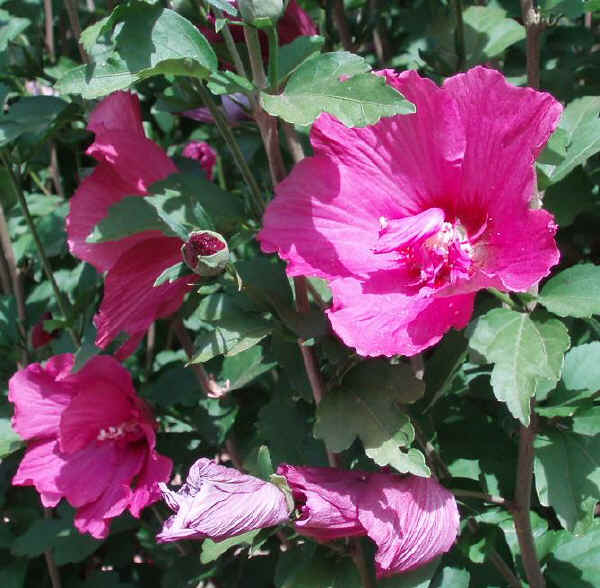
218 502
128 163
411 519
90 439
406 219
204 154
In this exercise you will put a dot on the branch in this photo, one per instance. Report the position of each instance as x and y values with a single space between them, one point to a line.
73 14
50 563
533 27
341 24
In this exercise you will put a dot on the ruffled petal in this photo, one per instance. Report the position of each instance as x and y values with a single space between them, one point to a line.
412 520
521 252
320 224
408 162
92 471
327 499
40 394
40 467
156 469
94 517
118 112
130 302
376 320
506 128
219 502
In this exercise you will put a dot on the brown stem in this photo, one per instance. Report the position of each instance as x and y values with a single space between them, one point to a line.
522 502
341 24
73 15
358 557
492 499
55 171
49 29
50 563
533 27
380 42
16 279
207 383
4 275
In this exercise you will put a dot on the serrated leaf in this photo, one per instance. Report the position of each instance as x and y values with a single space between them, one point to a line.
567 474
316 87
573 292
9 440
11 26
30 114
239 370
368 406
522 351
581 373
149 41
224 6
227 82
581 131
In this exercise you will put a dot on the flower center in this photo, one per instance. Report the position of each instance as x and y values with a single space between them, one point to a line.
431 251
129 430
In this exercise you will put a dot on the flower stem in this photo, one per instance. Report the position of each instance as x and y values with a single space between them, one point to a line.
63 304
522 502
341 24
50 563
533 27
459 36
238 157
73 13
499 500
230 43
273 58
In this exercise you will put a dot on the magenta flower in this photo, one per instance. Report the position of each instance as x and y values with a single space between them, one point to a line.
235 109
39 336
90 440
408 218
219 502
204 154
128 163
412 520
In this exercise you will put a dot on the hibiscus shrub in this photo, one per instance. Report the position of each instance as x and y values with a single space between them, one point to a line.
299 294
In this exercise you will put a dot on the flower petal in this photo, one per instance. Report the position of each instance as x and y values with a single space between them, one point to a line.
220 502
506 128
40 397
376 320
130 302
156 469
412 520
327 499
40 467
120 111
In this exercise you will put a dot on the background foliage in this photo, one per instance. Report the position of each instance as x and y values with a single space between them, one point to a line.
464 417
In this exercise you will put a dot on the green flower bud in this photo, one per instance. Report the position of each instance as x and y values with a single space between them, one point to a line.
258 10
205 253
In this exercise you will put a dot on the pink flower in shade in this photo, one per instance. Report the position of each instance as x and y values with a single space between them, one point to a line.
39 336
219 502
128 162
204 154
406 219
90 439
235 108
412 520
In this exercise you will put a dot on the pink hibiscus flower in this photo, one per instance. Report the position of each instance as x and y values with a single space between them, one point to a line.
220 502
128 163
411 519
90 440
408 218
204 154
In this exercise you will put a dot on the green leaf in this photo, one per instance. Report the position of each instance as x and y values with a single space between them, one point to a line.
573 292
368 406
151 40
581 373
522 351
224 6
9 440
239 370
227 82
11 26
292 55
233 328
419 578
586 421
131 215
567 474
575 563
316 87
581 126
212 551
173 273
31 114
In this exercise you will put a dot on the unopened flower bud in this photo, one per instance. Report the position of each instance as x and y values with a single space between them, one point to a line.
257 10
205 253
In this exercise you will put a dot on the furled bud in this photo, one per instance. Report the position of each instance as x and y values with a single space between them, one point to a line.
205 253
255 11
